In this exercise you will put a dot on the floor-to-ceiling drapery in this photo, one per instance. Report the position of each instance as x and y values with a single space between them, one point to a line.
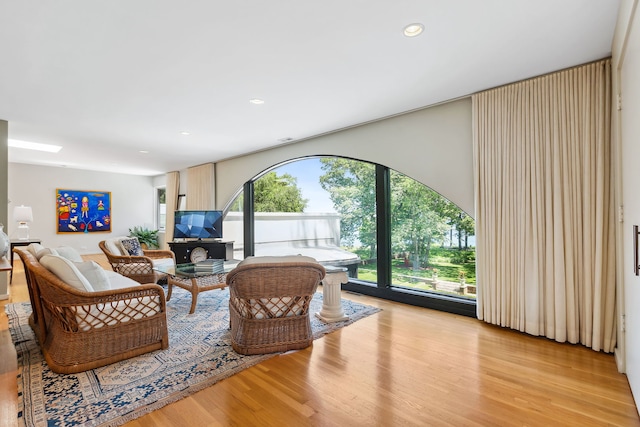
544 206
200 187
171 200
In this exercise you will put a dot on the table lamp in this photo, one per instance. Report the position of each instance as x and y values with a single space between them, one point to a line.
23 215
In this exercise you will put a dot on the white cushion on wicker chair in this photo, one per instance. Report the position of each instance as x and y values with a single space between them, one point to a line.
95 275
69 253
46 251
100 315
113 246
66 271
34 248
118 281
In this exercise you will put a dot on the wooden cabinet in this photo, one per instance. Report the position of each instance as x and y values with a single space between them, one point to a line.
197 250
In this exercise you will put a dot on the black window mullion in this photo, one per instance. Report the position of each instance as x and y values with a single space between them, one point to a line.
248 222
383 225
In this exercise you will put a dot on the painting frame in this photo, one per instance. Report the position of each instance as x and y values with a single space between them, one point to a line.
82 211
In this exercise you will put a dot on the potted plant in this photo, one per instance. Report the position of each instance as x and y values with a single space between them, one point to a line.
148 238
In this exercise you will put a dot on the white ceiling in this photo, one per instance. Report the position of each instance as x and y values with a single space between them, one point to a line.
106 79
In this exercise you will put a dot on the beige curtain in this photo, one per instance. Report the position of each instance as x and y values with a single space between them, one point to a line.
200 187
544 206
172 191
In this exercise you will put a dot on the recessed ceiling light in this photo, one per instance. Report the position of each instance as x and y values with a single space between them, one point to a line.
144 151
256 101
413 30
33 146
185 133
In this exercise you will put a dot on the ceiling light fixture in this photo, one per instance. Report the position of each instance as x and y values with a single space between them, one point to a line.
33 146
144 151
256 101
185 133
413 30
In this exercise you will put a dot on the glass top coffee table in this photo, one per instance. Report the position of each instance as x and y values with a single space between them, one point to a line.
194 279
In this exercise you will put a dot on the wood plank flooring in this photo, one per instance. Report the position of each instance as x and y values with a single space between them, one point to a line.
405 366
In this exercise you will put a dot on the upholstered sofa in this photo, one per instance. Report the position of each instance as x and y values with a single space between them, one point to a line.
129 259
85 316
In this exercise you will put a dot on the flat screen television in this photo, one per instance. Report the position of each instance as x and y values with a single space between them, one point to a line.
197 225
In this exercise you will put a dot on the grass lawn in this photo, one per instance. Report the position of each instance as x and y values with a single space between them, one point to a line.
448 263
441 260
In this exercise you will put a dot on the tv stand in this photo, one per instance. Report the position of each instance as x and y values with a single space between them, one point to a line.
215 249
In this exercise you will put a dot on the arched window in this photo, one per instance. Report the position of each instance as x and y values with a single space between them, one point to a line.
399 239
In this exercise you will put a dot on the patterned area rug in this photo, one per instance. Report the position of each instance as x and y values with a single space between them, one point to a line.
199 355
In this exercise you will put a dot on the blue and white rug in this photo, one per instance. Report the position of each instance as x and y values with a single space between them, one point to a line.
199 355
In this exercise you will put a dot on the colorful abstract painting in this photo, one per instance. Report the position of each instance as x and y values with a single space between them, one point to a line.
83 211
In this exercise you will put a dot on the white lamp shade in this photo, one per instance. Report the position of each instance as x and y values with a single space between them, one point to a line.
22 214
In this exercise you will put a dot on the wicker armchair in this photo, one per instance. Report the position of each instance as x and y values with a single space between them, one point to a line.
269 301
138 268
80 330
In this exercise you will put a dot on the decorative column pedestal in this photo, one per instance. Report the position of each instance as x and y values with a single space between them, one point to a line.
331 301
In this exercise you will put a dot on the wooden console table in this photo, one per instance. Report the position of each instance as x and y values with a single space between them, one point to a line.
188 250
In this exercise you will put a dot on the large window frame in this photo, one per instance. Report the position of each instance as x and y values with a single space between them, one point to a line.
384 287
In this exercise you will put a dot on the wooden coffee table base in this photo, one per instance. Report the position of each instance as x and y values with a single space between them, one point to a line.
195 285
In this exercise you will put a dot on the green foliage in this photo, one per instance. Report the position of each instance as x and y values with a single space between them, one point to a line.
351 187
420 216
145 236
463 256
273 193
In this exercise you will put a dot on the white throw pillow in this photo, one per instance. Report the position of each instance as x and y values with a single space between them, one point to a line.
95 275
34 248
45 251
114 247
66 271
69 253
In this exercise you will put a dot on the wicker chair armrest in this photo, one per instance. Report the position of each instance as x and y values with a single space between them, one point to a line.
158 253
131 260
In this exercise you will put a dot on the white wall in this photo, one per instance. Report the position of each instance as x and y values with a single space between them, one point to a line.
4 154
432 146
626 128
132 202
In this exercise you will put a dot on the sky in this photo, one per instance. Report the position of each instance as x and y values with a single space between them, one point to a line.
308 173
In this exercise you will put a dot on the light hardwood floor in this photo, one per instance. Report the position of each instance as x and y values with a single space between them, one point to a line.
405 366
